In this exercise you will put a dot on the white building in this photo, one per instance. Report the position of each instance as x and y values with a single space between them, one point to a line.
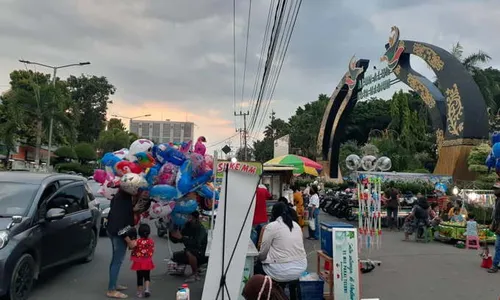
163 131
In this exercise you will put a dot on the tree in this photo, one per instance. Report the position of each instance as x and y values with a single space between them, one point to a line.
475 161
85 152
91 94
263 150
115 123
346 149
112 140
240 154
32 102
276 129
472 61
65 153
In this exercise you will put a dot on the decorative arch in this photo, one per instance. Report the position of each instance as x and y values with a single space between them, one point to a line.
457 109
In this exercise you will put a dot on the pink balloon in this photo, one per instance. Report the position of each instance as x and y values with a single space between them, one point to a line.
209 162
197 164
100 176
168 174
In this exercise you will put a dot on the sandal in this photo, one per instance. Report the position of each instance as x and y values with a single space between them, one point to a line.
116 295
121 288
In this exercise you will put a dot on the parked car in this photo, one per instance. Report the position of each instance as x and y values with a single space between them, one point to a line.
45 221
102 204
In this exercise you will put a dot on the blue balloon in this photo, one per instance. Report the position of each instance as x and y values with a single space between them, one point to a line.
186 183
490 162
495 138
185 206
163 192
496 150
164 153
152 174
179 219
497 165
110 160
207 192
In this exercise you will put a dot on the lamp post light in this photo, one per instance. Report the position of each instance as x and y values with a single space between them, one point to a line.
131 118
54 73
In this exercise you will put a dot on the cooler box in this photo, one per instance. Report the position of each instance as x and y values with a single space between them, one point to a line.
326 235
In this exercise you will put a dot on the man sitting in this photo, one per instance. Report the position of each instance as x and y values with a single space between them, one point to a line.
194 237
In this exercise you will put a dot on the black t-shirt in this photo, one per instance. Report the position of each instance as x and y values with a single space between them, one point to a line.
393 194
121 213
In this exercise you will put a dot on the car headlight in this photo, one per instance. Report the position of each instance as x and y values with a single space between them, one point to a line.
4 238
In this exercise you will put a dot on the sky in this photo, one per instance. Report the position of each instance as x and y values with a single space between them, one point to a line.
173 59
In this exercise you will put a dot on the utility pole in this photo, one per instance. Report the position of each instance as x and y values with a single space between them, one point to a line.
272 117
244 115
240 131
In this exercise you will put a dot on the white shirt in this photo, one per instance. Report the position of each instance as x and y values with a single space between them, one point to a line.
280 245
314 200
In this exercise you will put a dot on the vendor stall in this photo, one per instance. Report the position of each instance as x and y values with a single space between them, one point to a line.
448 231
277 178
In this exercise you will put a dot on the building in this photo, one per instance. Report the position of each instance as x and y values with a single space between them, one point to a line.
163 131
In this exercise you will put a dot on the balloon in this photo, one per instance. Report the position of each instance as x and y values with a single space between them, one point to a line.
165 153
122 153
368 162
209 162
199 147
186 183
168 174
495 138
152 175
496 150
131 183
197 164
140 145
100 176
179 219
185 206
145 160
161 210
441 187
185 147
207 191
125 167
163 192
490 161
384 163
110 160
353 162
107 191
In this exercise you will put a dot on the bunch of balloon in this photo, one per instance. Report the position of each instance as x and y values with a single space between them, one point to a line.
493 159
175 177
369 189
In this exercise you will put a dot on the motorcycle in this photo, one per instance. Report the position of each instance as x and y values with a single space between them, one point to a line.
341 206
408 199
161 227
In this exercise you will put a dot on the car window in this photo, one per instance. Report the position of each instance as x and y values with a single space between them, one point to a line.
65 182
48 192
71 199
16 198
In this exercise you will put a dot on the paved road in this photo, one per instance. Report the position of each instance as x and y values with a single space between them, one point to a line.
410 271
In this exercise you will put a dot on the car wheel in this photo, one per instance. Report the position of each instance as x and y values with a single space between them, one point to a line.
23 278
91 247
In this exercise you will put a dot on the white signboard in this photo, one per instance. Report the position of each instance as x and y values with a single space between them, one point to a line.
282 146
346 264
237 201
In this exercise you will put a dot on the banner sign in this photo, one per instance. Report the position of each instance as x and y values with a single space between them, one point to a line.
346 264
372 83
254 168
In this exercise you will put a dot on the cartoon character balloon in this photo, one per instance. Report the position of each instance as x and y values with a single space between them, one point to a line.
209 162
131 183
199 147
383 163
125 167
161 209
197 164
185 180
122 153
165 153
145 160
107 191
353 162
140 145
368 162
100 176
168 174
109 160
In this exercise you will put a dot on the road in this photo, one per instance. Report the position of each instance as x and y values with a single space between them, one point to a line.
409 270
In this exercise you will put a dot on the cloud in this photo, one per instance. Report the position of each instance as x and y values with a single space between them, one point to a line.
177 56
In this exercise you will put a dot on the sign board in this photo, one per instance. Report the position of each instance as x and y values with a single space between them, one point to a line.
346 264
231 235
282 146
243 166
374 83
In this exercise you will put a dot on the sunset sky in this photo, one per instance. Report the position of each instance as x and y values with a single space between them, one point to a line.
173 59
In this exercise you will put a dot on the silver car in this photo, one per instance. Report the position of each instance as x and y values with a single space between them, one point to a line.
101 203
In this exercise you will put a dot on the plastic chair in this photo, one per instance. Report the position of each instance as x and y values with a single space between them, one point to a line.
472 242
423 233
294 292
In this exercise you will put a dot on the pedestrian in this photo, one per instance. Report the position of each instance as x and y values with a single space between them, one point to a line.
290 209
260 215
495 227
392 206
314 214
121 216
298 200
142 260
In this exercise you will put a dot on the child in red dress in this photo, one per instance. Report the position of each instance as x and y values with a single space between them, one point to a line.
142 260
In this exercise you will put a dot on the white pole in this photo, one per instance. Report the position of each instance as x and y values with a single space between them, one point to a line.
212 217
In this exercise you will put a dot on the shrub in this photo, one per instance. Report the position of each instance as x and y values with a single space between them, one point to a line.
75 167
65 152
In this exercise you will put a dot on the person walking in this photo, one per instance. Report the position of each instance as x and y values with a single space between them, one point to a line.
392 206
495 227
314 214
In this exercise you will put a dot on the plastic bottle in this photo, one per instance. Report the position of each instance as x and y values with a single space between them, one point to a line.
186 288
181 295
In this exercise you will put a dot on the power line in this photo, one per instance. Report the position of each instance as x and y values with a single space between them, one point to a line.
222 141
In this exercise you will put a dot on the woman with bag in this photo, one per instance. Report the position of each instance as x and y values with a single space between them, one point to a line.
314 214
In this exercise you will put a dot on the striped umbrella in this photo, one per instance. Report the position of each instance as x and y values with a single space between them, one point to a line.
302 165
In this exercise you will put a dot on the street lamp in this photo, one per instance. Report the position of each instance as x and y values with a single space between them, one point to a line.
131 118
54 69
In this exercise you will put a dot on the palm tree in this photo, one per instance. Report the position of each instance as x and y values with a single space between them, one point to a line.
472 61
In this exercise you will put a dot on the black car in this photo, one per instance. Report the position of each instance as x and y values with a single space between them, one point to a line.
101 203
45 221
